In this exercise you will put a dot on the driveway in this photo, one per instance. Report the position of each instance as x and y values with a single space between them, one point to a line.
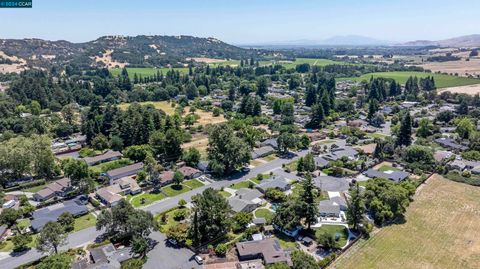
165 256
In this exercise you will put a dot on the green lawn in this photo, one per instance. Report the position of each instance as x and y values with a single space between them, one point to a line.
441 81
292 166
6 245
256 181
145 72
174 190
342 231
35 189
241 185
193 183
270 157
84 222
377 135
384 168
170 221
285 241
23 223
264 213
136 201
225 194
107 166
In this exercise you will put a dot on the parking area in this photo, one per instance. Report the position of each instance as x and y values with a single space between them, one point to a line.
166 256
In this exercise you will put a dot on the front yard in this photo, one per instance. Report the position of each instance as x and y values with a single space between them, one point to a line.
84 222
148 198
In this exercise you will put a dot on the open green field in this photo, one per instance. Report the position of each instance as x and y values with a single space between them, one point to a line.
146 71
162 105
441 81
311 61
440 231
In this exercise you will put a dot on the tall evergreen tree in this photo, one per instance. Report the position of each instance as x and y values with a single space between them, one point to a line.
405 135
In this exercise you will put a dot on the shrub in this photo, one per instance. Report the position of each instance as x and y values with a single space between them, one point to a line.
221 250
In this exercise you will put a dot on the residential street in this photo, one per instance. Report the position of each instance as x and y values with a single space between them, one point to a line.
88 235
77 239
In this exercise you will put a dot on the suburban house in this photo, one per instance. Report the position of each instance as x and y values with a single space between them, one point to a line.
58 188
203 166
111 195
76 207
272 142
245 200
441 155
460 164
189 172
338 153
262 152
396 176
332 207
125 171
106 157
274 182
320 162
105 257
328 209
166 177
450 144
268 250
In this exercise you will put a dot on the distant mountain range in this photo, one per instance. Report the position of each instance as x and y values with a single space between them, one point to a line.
113 51
461 41
358 40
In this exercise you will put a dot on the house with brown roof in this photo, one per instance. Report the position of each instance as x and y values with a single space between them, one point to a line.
189 172
106 157
112 194
268 250
59 188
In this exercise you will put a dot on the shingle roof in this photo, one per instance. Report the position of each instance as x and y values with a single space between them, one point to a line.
278 182
51 213
392 175
257 153
102 157
328 207
248 194
125 171
269 249
239 205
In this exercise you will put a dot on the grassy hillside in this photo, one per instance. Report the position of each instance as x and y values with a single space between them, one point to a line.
441 231
441 81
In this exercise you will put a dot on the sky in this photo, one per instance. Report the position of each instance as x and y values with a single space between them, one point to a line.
243 21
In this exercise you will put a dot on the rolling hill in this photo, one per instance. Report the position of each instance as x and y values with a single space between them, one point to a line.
114 51
461 41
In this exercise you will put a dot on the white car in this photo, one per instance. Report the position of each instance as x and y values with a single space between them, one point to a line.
198 259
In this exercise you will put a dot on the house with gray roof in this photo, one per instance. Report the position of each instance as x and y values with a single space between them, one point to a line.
106 157
51 213
274 182
320 162
268 250
58 188
272 142
125 171
245 200
338 153
328 208
450 144
262 152
396 176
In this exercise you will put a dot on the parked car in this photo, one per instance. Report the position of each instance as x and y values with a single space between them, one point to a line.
198 259
172 241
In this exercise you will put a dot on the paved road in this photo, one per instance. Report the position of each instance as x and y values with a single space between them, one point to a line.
88 235
76 239
168 203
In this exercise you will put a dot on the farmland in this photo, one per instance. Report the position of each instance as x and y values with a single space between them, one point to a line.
441 231
441 81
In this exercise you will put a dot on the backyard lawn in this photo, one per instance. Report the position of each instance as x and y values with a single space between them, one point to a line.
104 167
136 201
35 189
264 213
84 222
286 242
336 231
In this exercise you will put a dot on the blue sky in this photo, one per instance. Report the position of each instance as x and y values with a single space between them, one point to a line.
244 21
